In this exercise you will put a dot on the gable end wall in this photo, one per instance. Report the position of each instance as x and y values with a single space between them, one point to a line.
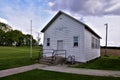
69 29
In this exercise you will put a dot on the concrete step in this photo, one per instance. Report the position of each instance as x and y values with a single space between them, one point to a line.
46 63
47 60
50 61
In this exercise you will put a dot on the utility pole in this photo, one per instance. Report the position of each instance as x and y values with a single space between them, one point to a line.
106 39
38 38
31 40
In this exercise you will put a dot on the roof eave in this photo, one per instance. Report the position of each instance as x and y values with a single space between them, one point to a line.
89 29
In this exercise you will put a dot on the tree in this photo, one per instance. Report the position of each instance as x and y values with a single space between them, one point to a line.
27 39
8 38
11 37
2 34
5 27
17 37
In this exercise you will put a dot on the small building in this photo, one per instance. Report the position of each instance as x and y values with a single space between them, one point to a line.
110 51
65 34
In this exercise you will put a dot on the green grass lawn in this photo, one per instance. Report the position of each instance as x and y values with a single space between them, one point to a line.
106 63
16 56
49 75
11 57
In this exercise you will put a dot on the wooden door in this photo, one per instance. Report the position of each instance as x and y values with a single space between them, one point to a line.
60 45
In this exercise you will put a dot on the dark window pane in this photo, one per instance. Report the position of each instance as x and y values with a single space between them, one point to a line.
48 41
75 41
75 44
48 44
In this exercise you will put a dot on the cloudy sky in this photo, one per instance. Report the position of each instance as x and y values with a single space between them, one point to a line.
95 13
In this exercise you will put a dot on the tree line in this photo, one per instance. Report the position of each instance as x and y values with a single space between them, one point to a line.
10 37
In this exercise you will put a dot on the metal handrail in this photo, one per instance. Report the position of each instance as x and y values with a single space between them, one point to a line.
54 53
71 59
60 53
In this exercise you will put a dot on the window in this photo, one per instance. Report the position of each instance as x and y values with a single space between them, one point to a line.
92 43
48 41
95 43
98 44
75 41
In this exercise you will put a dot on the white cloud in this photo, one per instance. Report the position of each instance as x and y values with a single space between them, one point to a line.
50 4
94 6
88 7
3 20
50 12
113 8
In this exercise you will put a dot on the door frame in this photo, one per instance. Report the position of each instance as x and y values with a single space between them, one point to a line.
58 44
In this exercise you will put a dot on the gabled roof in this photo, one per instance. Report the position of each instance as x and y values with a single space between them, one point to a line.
59 13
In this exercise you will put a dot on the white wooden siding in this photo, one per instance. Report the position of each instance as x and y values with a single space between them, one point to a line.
90 52
64 28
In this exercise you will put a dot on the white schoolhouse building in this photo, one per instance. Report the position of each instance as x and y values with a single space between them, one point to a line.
65 34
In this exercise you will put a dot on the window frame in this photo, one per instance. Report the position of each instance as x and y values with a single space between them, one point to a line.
48 42
95 43
92 43
75 41
98 43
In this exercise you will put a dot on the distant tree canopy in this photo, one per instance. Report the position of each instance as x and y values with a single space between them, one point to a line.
5 27
10 37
